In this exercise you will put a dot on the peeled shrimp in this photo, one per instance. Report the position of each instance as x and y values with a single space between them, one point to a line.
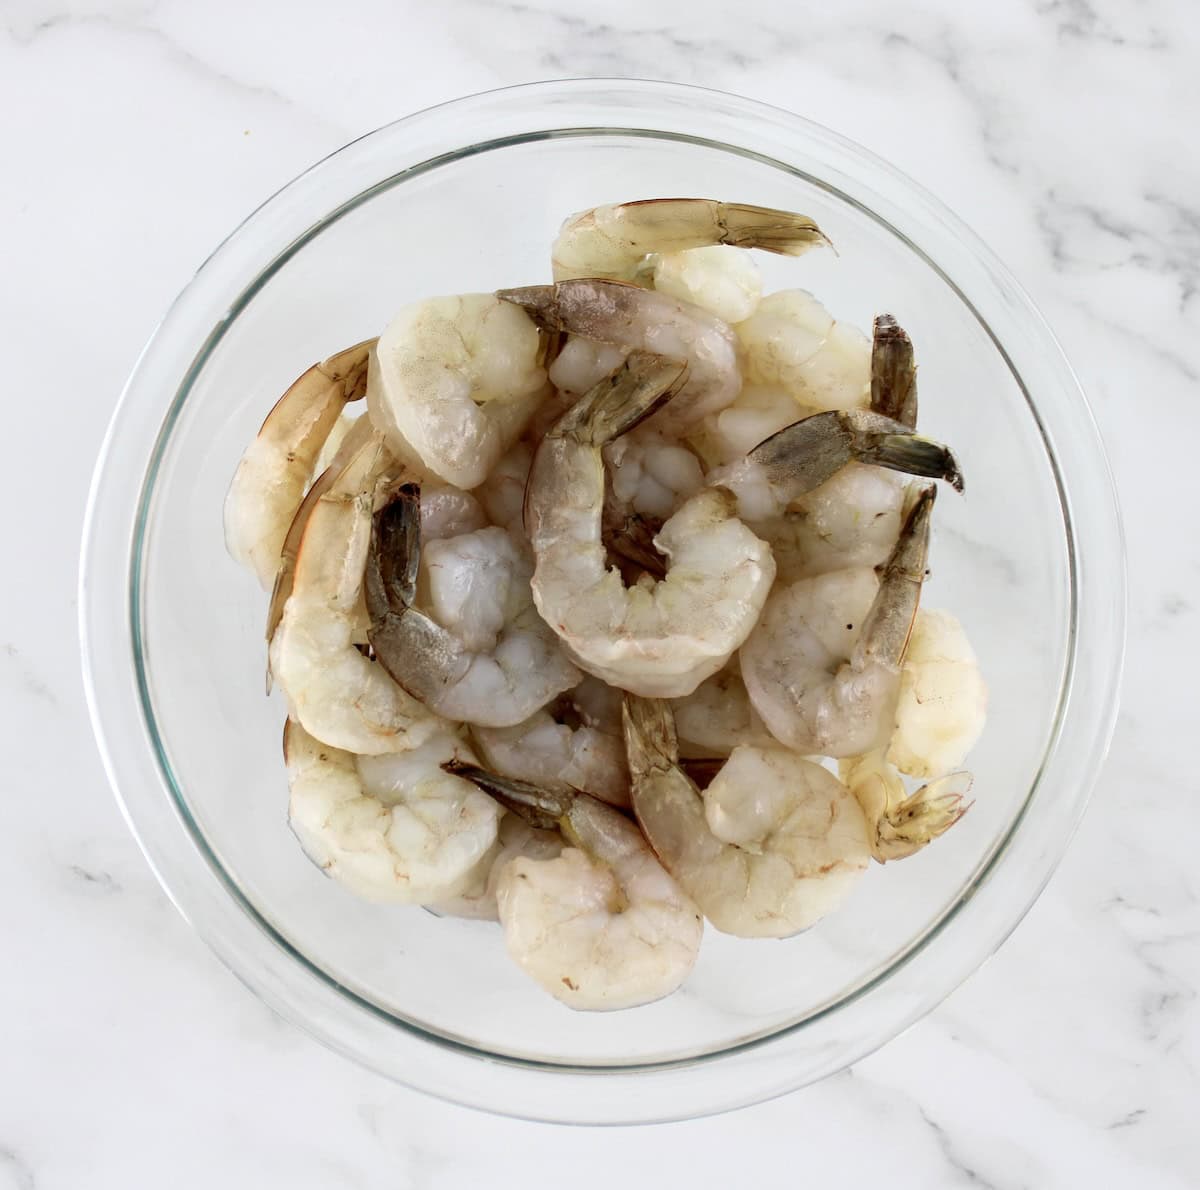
805 454
792 342
722 280
900 824
602 926
452 383
759 412
558 755
337 694
390 828
515 838
483 655
769 848
943 701
718 716
852 518
822 666
502 494
631 318
661 638
612 241
270 479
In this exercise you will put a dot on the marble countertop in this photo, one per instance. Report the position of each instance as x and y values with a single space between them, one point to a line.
138 133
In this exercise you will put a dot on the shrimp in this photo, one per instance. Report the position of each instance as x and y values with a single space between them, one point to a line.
661 638
270 480
802 456
854 517
337 694
557 750
769 848
603 925
900 824
515 838
822 666
488 658
759 412
943 699
612 241
792 342
395 828
718 716
722 280
631 318
453 380
502 494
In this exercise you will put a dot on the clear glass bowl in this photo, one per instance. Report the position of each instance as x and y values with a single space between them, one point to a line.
467 197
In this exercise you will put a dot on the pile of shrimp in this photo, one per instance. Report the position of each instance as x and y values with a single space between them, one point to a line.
602 619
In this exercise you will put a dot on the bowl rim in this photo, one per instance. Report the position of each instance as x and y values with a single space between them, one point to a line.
139 772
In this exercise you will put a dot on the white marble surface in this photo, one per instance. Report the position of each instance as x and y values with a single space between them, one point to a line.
137 133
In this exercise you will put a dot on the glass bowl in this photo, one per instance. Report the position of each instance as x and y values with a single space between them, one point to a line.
467 197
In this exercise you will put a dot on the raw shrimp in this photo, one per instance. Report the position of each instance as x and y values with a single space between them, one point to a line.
355 439
516 837
804 455
652 476
854 517
612 241
649 479
270 479
900 824
337 694
452 383
659 638
769 848
602 926
718 716
724 281
792 342
393 828
551 751
632 318
758 413
943 700
502 494
822 666
488 657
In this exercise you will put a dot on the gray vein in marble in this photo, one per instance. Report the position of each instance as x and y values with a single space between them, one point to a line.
1080 20
129 26
945 1142
1075 231
28 679
101 882
22 1174
1129 1120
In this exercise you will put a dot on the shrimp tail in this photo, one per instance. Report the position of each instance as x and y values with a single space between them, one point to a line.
888 625
782 232
650 739
638 388
921 817
543 809
419 654
802 456
893 373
